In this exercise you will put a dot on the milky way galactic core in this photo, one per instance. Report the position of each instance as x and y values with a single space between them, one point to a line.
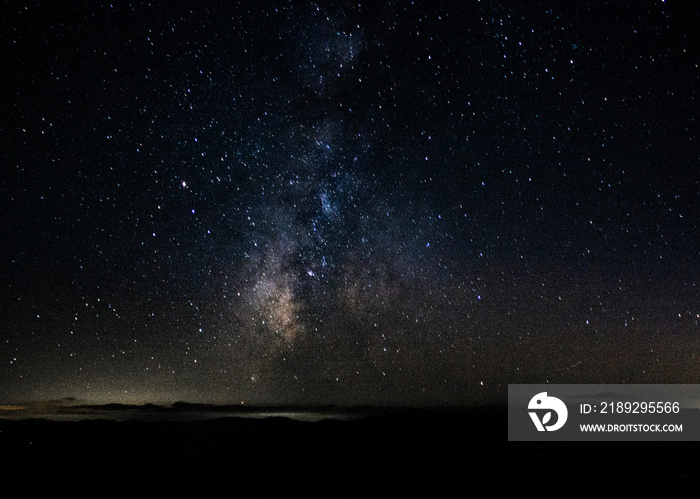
343 203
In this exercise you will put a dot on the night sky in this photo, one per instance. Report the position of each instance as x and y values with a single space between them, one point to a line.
405 203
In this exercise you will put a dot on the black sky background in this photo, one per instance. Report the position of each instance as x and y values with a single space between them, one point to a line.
383 203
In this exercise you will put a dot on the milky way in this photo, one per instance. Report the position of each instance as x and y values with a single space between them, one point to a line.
343 203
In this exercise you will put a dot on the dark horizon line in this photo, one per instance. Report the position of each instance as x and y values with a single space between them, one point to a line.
65 406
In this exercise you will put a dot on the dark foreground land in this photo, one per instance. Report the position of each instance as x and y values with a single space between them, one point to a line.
403 453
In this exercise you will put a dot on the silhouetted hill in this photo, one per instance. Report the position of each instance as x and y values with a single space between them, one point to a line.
404 452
